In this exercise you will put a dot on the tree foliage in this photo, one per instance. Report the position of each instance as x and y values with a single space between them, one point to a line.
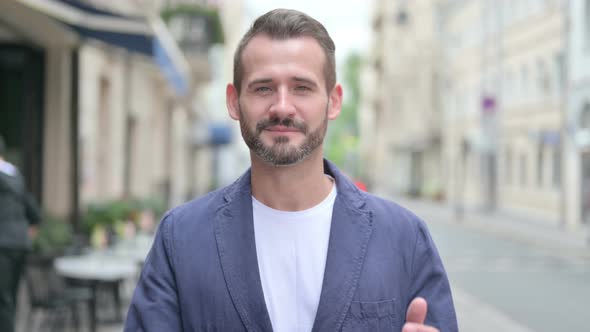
342 139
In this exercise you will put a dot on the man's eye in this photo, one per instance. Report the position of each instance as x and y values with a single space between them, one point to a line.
263 89
302 88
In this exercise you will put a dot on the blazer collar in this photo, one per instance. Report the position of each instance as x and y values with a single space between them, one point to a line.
347 191
349 236
237 253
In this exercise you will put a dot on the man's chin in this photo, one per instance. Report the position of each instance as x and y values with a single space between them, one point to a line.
286 162
282 158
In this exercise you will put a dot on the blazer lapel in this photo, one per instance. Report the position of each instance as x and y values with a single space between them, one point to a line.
349 237
237 253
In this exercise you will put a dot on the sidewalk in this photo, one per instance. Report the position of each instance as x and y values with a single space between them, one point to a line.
530 230
480 313
475 316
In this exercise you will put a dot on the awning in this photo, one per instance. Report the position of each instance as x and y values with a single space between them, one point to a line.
170 58
135 34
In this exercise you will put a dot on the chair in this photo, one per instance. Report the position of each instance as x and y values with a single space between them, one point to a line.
50 294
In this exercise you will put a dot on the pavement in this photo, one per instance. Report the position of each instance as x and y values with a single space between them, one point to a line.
535 231
473 313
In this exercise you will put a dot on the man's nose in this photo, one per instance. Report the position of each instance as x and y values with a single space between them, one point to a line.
283 105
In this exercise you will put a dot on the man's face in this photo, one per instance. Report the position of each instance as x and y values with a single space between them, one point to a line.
283 107
282 150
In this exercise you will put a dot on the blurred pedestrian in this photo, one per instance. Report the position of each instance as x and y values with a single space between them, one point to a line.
293 244
19 217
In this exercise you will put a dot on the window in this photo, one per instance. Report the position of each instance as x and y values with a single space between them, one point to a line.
556 168
378 65
507 166
104 128
523 167
559 73
524 83
378 23
543 84
540 166
585 117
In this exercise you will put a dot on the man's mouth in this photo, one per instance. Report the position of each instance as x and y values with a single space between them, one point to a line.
282 129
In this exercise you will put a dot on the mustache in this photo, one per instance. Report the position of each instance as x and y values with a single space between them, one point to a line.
286 122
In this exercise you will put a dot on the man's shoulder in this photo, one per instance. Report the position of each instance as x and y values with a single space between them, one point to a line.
198 208
201 212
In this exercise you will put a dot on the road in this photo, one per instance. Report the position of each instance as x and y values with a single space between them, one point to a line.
503 284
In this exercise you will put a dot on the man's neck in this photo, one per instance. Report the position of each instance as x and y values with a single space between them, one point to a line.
290 188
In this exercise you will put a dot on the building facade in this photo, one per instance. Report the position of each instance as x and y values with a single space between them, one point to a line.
577 138
36 94
401 116
505 105
101 105
470 96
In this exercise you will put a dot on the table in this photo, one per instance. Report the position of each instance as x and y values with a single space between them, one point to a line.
96 268
135 249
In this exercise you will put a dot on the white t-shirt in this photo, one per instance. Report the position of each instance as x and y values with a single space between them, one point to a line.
291 248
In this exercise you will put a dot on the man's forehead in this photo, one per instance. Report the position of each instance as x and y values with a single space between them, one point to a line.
264 52
298 42
293 78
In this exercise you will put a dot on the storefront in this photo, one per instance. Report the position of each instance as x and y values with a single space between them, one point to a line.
40 84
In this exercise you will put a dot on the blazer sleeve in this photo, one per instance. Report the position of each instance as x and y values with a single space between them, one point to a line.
429 280
155 305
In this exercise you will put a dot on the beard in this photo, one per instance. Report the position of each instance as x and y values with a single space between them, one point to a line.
282 152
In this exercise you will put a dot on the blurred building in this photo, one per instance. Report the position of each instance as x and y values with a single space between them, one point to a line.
505 104
35 70
234 158
401 116
160 130
577 129
99 102
471 96
468 150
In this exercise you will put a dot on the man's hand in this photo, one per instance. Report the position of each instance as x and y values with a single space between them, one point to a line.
415 317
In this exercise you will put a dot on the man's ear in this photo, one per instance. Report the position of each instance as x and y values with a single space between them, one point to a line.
232 102
335 105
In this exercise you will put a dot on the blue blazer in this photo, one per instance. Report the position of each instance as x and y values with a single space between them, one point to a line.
202 272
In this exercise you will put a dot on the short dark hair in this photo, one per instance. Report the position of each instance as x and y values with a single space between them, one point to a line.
2 146
284 24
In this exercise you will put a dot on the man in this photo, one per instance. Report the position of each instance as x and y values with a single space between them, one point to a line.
292 245
19 217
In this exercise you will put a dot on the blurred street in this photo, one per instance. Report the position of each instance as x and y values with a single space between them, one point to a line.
505 280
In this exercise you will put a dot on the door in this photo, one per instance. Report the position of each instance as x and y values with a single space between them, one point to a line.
21 110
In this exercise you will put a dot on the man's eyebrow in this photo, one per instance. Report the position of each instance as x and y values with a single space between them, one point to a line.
304 80
260 81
